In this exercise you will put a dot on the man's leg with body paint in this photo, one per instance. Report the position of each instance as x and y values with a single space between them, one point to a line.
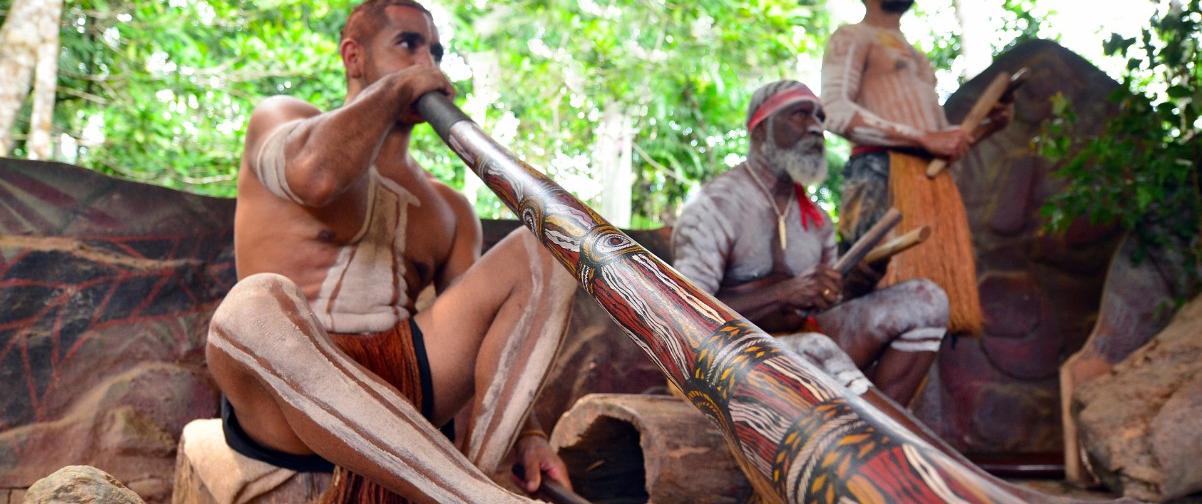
296 392
497 329
899 328
512 335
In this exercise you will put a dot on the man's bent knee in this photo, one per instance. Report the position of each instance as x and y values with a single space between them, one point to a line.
826 354
927 300
544 268
928 329
256 305
255 291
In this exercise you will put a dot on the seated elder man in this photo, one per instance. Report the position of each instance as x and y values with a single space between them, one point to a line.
755 239
318 350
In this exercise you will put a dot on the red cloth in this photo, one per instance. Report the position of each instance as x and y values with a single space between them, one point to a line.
809 211
811 325
860 150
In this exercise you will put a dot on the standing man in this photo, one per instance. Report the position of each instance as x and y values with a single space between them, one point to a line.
318 350
879 93
755 239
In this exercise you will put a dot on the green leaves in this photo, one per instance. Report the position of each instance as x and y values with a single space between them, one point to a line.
160 91
1142 171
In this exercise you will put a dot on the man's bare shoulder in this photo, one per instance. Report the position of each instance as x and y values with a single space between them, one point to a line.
459 203
274 111
852 32
730 183
727 191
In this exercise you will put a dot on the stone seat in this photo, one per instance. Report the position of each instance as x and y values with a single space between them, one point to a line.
207 471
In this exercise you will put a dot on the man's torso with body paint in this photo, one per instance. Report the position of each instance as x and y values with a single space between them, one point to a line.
733 219
360 260
881 72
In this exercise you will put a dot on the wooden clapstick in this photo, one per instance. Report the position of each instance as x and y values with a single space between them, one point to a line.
1003 84
898 245
865 244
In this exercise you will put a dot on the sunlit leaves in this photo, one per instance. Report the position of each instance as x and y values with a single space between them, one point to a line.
1143 171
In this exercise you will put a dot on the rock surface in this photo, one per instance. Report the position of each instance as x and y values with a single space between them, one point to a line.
107 287
80 485
1040 293
1140 422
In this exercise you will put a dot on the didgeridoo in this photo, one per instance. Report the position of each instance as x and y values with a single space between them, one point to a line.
797 434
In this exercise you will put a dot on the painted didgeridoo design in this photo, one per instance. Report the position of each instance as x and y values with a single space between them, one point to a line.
798 435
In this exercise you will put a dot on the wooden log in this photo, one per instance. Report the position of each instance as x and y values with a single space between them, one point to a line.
649 448
795 432
898 245
190 488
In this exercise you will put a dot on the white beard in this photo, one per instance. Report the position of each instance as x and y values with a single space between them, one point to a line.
805 162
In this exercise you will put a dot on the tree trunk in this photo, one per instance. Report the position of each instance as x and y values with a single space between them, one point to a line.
613 163
45 81
974 43
20 38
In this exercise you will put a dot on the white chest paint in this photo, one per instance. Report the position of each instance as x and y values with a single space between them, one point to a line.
364 290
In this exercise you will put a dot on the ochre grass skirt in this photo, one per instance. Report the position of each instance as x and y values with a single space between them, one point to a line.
947 256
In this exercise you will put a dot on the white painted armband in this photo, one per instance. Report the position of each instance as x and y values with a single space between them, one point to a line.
269 164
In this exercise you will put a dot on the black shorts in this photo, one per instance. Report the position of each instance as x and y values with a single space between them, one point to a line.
239 441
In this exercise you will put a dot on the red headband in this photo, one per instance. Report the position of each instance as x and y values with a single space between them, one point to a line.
798 93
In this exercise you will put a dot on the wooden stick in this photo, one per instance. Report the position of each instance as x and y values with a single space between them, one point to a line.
773 406
550 489
979 111
898 245
870 239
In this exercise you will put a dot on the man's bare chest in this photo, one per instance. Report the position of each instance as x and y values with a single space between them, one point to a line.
890 55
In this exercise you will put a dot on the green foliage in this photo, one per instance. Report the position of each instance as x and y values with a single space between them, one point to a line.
681 72
1022 23
161 91
941 47
1142 172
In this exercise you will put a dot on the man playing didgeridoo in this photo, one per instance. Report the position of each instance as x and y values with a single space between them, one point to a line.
879 92
755 239
317 349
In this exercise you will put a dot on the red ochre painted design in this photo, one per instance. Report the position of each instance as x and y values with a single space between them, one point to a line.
74 283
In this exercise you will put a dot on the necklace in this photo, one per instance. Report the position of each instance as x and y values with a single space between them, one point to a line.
780 216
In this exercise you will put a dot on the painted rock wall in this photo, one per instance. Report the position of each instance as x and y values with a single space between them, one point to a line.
106 288
1040 292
